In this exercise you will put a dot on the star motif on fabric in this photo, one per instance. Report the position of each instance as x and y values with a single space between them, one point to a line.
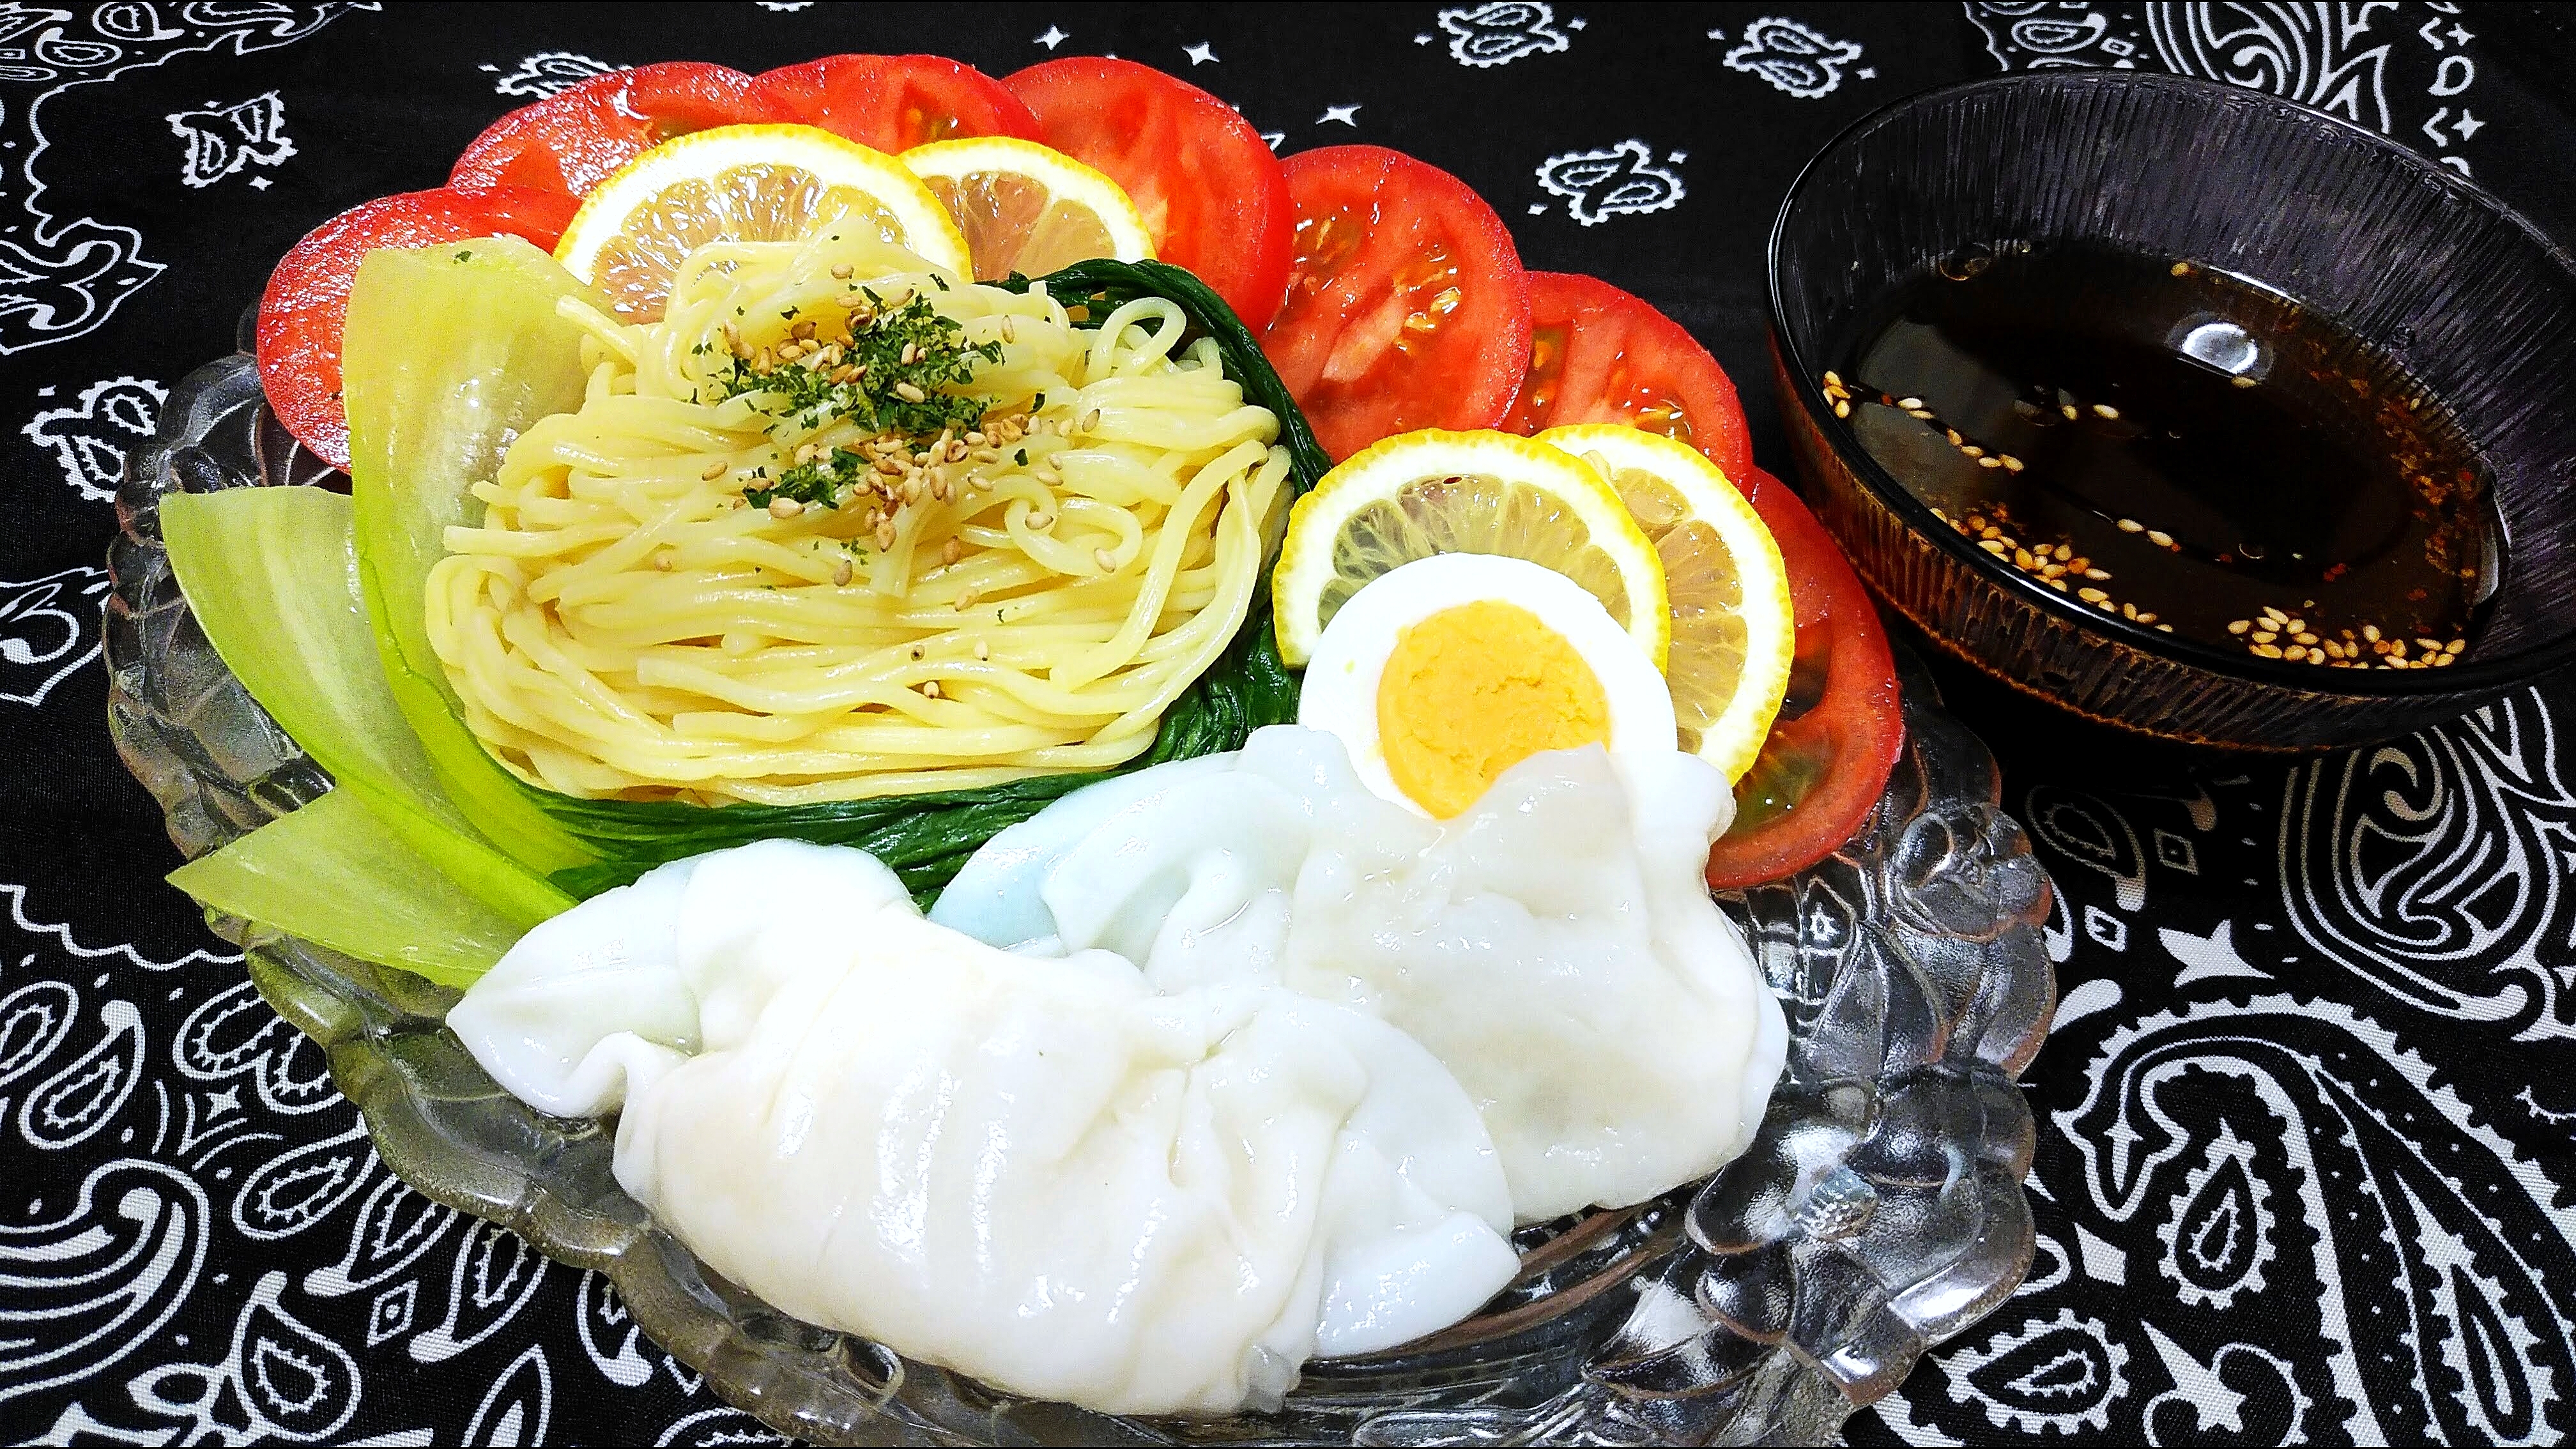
227 1100
2465 127
1199 54
1867 72
1343 114
1052 38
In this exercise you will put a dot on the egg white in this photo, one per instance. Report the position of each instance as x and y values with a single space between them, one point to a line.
1340 691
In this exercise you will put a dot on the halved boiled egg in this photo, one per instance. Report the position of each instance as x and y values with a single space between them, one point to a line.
1441 674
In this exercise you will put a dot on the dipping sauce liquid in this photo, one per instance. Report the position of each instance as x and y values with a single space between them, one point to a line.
2182 447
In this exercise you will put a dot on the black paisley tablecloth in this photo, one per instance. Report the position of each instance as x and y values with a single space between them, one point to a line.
2305 1168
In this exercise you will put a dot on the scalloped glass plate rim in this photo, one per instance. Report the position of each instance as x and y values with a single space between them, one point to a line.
1558 1358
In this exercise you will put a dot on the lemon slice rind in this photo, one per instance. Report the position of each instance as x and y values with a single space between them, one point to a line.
1382 471
1733 739
704 155
1063 178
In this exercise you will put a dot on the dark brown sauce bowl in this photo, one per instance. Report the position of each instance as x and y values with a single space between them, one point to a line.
2467 295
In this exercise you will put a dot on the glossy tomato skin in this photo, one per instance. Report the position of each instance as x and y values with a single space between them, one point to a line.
1826 762
678 97
1407 306
895 102
572 141
536 146
307 301
1601 355
1214 197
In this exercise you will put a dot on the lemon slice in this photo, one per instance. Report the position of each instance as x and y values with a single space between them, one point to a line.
1734 629
743 183
1027 208
1419 494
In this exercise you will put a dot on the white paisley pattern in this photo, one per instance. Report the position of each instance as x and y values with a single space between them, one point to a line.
2401 69
1794 58
2304 1167
48 628
2432 1238
90 437
1624 180
221 140
60 277
2056 1375
2437 868
1502 32
548 73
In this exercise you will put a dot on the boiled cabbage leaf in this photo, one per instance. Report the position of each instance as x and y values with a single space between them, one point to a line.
449 353
336 874
272 577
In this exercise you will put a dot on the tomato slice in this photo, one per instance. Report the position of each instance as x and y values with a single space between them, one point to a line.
1214 197
1838 734
1600 355
1407 306
895 102
307 301
574 140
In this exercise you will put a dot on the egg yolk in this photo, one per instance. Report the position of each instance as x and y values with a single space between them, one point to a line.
1475 689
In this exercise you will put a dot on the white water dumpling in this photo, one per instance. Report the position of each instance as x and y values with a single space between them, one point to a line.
1359 1045
1040 1172
1554 946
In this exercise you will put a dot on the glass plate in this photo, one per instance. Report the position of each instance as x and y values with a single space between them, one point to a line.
1879 1213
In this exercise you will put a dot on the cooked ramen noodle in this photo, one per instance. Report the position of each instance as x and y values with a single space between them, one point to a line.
763 562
